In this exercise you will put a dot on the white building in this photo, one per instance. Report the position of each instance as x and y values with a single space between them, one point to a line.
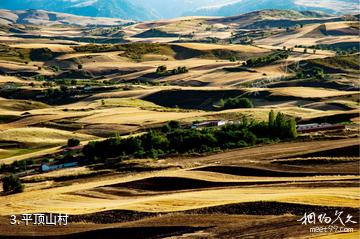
213 123
52 167
312 126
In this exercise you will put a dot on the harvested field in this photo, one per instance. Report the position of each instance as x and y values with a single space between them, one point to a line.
40 136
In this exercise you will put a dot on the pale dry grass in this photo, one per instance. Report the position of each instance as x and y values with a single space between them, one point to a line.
263 112
128 102
88 54
20 105
127 115
7 79
299 37
352 235
15 66
310 92
150 39
4 152
214 75
337 25
240 48
156 57
41 136
219 177
356 120
52 47
62 172
32 120
55 200
35 154
284 38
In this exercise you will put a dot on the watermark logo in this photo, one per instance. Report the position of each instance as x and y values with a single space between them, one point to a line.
40 219
328 223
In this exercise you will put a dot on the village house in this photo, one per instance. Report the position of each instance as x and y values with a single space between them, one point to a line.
306 128
212 123
46 167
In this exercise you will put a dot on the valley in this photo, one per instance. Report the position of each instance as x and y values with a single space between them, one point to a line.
180 128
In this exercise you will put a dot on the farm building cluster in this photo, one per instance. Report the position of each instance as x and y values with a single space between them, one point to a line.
307 128
301 128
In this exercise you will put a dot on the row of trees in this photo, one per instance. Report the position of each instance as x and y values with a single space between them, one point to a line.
16 166
62 91
172 139
340 50
281 126
265 60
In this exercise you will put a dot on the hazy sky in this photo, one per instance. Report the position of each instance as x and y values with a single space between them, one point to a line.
171 8
154 9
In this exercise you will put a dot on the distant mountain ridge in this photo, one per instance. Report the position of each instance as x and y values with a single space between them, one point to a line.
41 17
275 19
123 9
244 6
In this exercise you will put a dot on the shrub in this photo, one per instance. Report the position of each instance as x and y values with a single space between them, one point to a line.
232 59
161 69
73 142
41 54
89 150
174 124
232 103
55 68
12 184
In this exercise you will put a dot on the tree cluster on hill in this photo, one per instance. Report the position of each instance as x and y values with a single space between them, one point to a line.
163 71
57 92
16 166
311 72
234 103
340 49
73 142
134 50
172 139
7 51
265 60
12 184
41 54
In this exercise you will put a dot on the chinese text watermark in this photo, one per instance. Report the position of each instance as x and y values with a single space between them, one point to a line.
40 219
322 222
